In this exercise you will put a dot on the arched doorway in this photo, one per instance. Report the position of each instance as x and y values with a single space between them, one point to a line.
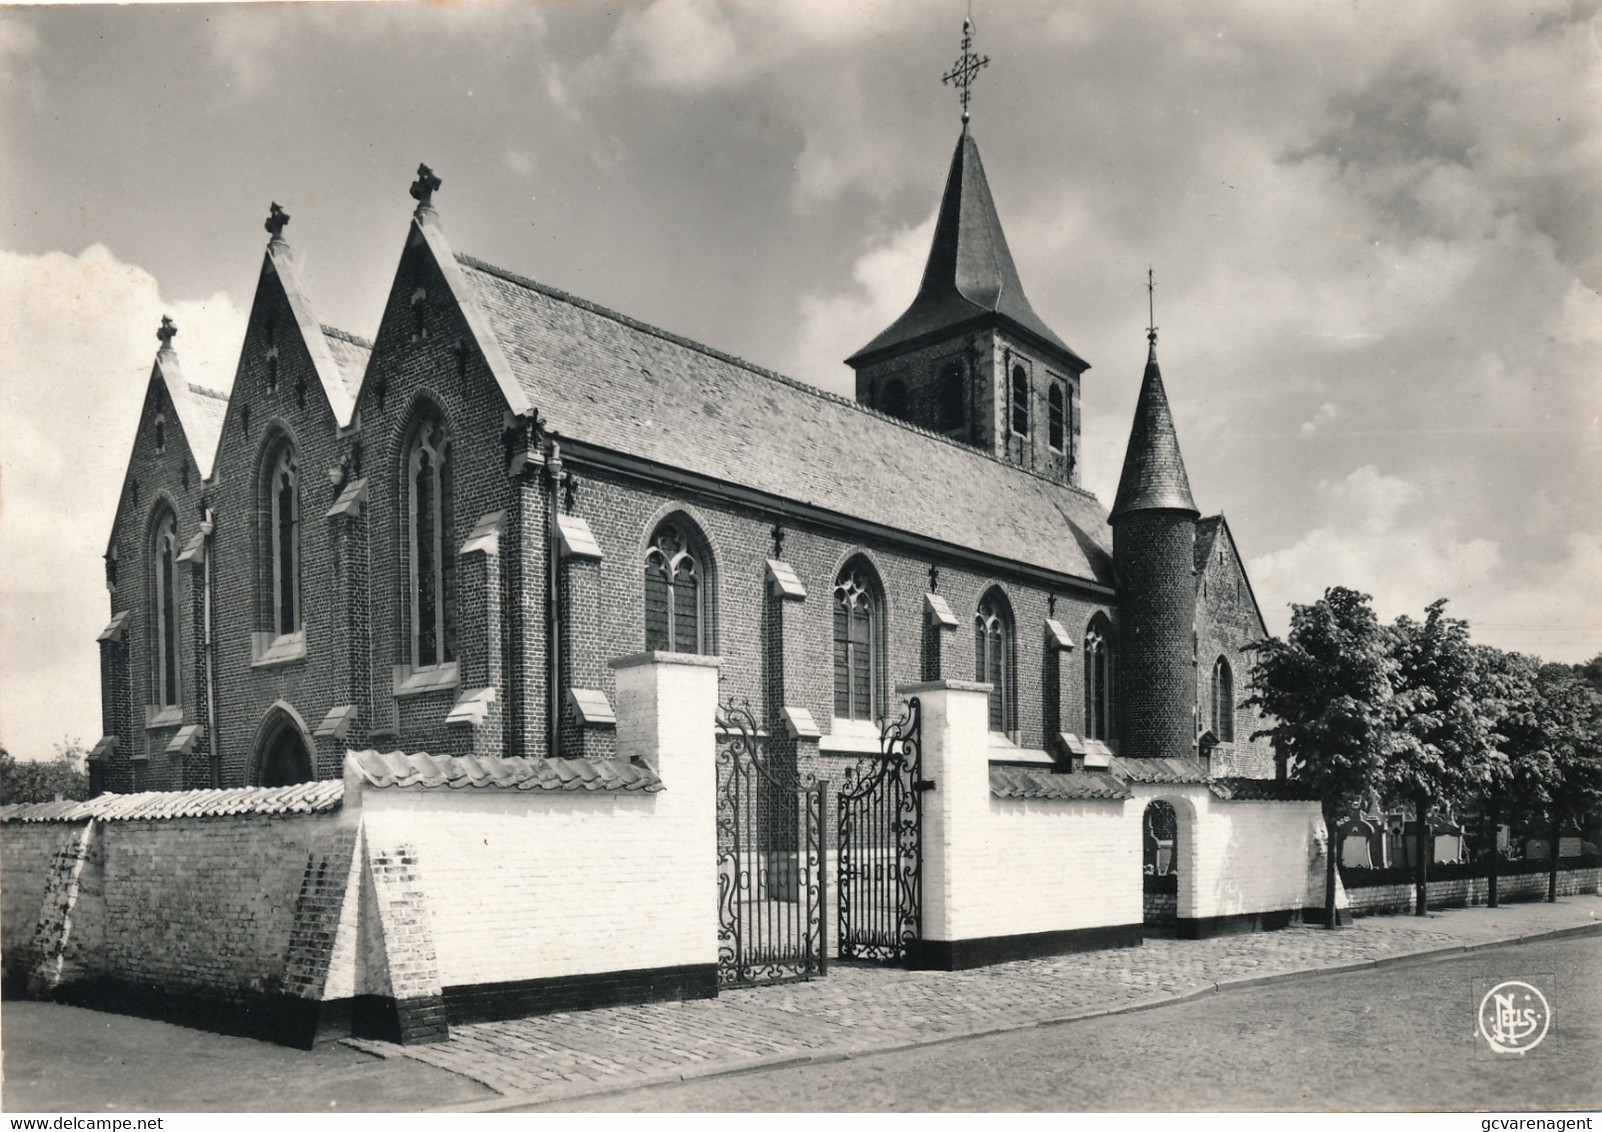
1159 836
283 751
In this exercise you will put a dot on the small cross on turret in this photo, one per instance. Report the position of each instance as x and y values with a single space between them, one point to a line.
966 68
1151 307
424 187
276 219
167 332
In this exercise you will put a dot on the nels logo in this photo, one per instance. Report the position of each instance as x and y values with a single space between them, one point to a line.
1514 1017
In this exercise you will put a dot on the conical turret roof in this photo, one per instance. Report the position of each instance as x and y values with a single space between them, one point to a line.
1154 472
970 274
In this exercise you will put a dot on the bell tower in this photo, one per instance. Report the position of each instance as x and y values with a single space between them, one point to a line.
970 358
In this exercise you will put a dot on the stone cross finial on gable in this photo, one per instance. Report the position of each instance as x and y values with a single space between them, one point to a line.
424 187
168 330
276 219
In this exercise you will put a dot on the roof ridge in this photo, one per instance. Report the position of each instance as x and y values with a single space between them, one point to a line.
207 391
353 339
762 371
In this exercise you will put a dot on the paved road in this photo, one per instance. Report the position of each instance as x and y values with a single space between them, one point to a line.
65 1059
1386 1039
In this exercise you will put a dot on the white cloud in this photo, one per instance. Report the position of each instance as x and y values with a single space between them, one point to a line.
518 161
835 326
1398 541
76 349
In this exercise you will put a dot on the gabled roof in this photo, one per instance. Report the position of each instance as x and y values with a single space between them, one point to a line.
1206 534
618 384
970 275
200 410
350 356
1154 476
339 390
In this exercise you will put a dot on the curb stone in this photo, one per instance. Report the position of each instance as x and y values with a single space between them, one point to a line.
573 1091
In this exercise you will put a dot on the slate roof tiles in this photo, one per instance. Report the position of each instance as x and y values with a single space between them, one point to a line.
618 384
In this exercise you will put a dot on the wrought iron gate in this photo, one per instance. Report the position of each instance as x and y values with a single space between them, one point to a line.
770 860
880 848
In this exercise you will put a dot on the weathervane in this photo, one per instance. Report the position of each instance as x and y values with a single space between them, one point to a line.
1151 307
966 68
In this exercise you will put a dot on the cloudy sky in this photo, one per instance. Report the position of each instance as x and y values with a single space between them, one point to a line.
1376 231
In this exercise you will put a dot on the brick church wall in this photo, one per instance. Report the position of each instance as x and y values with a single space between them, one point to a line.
295 407
623 512
410 372
1226 623
157 477
1156 682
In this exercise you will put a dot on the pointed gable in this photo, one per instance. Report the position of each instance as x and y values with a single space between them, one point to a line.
1154 476
200 411
1218 558
280 264
970 275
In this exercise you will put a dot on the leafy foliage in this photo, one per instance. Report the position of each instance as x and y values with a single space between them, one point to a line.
30 780
1326 689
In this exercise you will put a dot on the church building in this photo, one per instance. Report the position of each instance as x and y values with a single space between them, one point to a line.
436 540
439 666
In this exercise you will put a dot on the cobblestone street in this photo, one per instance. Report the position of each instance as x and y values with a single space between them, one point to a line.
855 1009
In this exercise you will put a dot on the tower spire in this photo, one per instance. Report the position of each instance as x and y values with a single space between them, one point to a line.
1154 472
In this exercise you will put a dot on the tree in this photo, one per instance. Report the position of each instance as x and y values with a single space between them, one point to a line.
1444 724
1327 688
1569 716
1512 784
30 780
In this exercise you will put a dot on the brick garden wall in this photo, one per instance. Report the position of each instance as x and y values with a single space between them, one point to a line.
1460 892
199 907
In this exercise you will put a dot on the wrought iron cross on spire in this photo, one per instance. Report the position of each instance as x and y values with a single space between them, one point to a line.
966 68
1151 307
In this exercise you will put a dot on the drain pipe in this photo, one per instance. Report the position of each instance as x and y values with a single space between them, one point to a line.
211 653
553 605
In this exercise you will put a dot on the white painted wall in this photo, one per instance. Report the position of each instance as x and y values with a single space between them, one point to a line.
540 884
1001 867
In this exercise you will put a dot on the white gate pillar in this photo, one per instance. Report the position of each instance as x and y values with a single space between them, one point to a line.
956 758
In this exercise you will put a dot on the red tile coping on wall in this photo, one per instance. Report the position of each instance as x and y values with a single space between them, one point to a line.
159 805
457 772
1026 782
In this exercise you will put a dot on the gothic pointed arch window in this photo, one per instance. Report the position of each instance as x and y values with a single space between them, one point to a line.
952 395
430 539
894 399
677 589
858 642
1100 675
166 672
1056 430
1020 401
994 657
280 538
1223 701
